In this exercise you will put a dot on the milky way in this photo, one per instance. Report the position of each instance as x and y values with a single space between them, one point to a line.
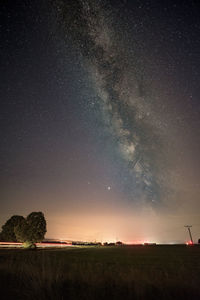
127 111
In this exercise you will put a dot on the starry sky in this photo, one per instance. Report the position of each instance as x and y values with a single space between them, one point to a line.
100 117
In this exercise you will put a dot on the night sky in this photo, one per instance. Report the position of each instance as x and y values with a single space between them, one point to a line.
100 117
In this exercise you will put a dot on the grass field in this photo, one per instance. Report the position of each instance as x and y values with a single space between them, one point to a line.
127 272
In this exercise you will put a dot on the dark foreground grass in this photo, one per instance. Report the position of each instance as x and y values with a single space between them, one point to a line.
138 272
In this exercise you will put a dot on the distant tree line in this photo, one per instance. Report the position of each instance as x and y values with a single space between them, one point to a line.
29 230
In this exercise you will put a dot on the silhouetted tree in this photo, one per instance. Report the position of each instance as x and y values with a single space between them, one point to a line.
37 226
32 230
8 229
28 231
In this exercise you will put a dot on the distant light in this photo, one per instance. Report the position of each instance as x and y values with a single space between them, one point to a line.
190 243
109 188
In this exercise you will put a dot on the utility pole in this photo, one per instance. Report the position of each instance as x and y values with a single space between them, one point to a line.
190 234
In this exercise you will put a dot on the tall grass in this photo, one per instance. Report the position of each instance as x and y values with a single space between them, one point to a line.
101 273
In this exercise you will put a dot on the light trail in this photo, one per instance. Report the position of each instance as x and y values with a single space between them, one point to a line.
38 245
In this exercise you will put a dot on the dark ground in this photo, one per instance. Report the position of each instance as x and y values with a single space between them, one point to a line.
124 272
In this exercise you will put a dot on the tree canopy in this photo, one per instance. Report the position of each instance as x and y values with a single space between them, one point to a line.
8 229
18 229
